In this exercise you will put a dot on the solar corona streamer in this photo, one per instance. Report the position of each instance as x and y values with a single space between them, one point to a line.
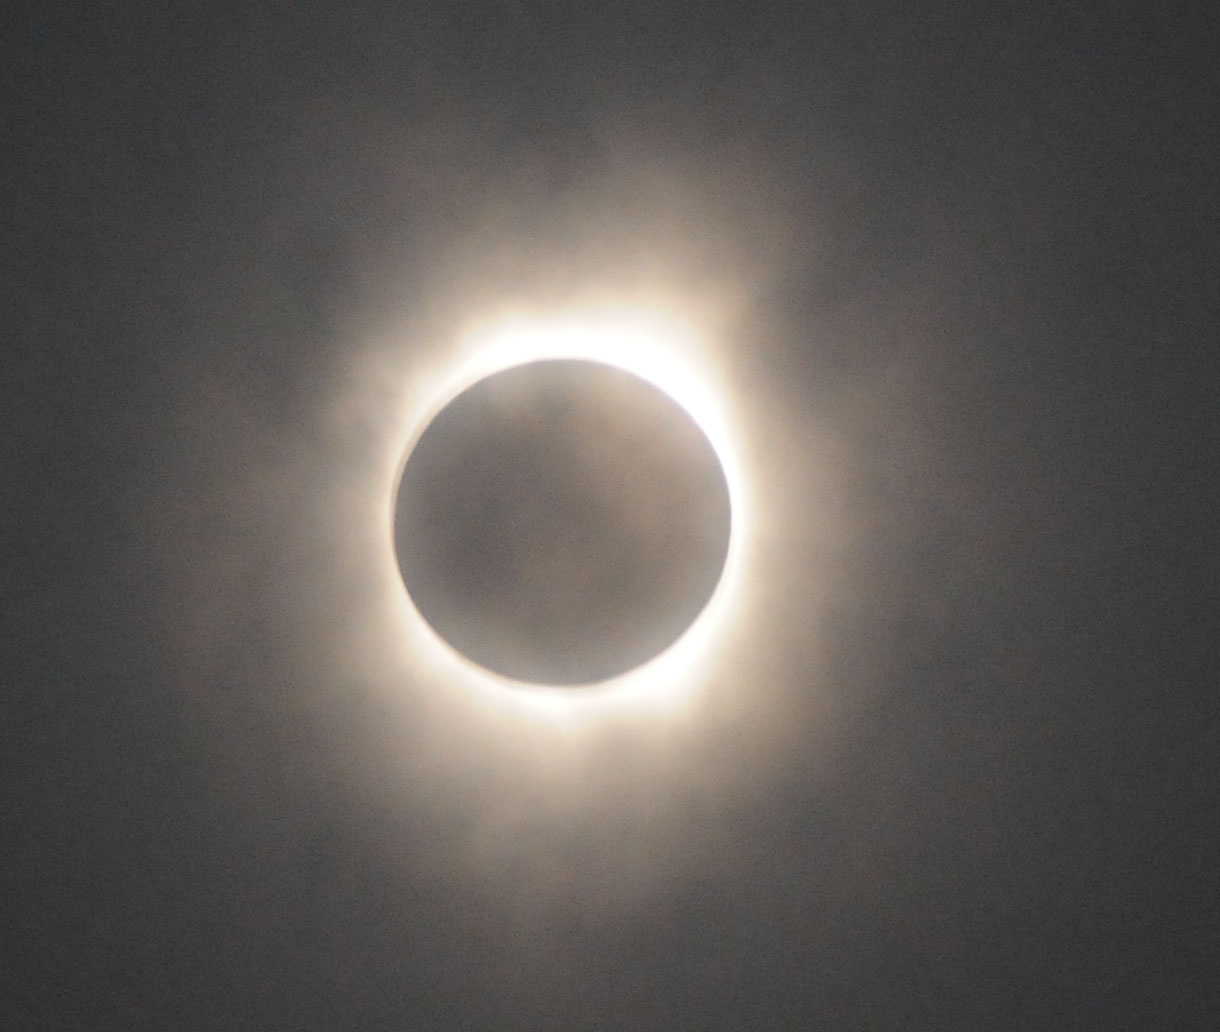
561 522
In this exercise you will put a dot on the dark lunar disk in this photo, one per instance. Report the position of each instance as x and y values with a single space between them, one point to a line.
561 522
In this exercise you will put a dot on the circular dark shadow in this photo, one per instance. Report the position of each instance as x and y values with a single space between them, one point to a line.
561 522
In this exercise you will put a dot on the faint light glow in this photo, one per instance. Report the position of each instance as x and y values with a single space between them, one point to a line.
669 353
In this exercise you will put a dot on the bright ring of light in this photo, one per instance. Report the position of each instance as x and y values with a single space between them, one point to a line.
665 353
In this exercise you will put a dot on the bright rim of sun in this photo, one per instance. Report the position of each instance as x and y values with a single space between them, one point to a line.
671 355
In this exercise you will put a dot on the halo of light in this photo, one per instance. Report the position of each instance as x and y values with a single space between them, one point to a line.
670 354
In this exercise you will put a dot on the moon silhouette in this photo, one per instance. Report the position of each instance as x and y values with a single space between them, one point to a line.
561 522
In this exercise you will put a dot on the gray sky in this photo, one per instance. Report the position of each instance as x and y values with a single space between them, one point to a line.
953 765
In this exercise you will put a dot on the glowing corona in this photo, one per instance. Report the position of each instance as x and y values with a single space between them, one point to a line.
661 350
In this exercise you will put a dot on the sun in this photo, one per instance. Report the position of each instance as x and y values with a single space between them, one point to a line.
672 355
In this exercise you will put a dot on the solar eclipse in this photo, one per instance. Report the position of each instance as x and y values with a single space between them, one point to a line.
561 522
569 517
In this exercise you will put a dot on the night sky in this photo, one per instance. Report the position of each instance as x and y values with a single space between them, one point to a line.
957 765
